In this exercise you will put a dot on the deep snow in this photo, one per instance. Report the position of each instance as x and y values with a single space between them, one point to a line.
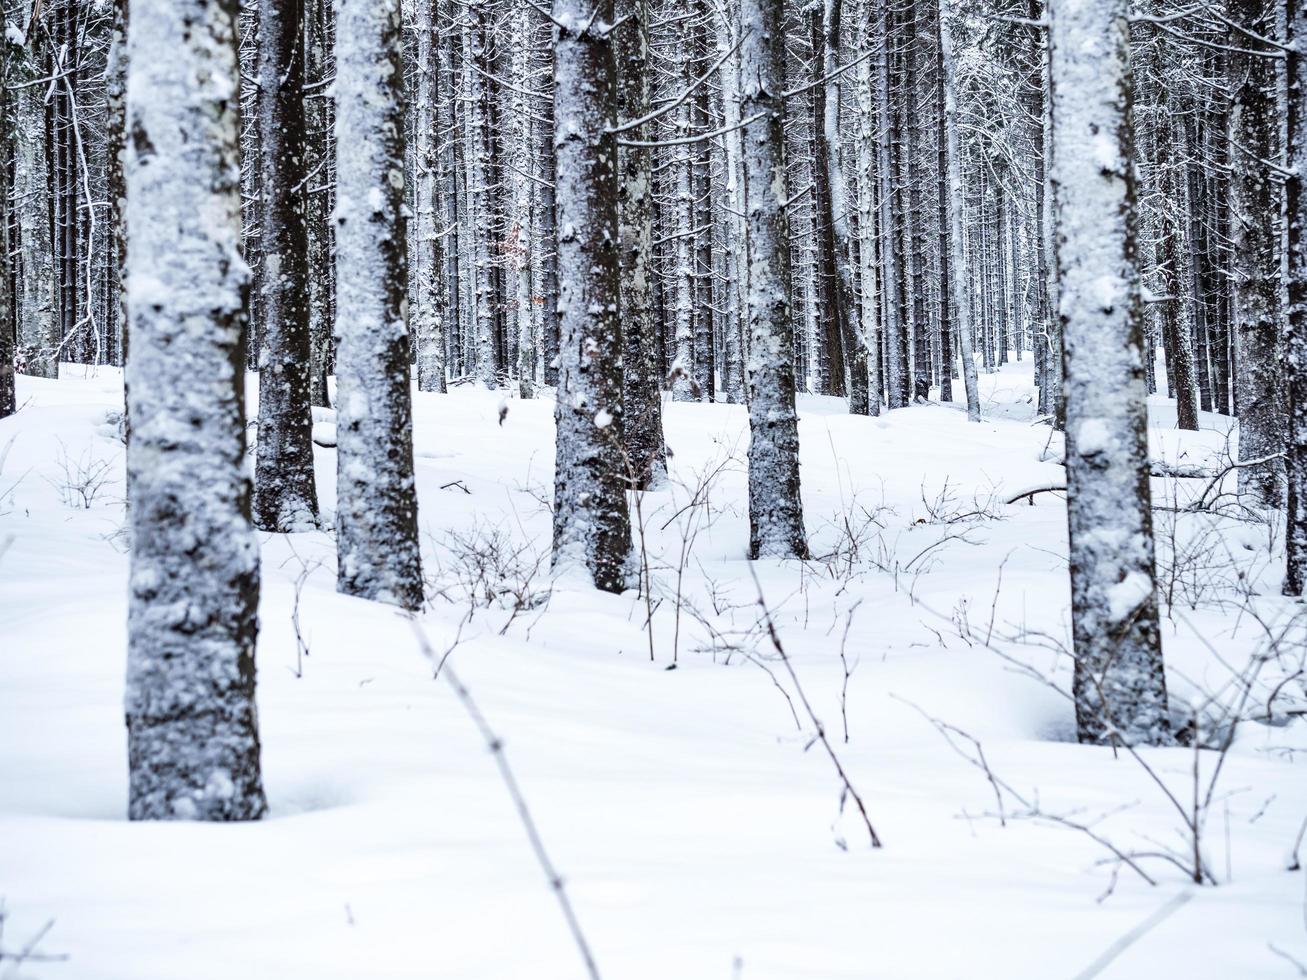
697 836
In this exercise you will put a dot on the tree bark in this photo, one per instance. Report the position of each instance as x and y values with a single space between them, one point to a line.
775 507
193 743
376 501
285 497
591 526
1119 684
1255 202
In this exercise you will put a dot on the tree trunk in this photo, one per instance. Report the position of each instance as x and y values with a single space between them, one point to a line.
38 325
376 501
646 456
285 497
958 283
1255 202
193 742
1295 582
425 261
775 508
592 530
1119 683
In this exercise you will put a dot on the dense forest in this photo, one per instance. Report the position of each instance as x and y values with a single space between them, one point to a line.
555 343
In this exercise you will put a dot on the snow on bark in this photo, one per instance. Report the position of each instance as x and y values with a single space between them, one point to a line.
775 509
376 500
8 399
1119 683
38 325
476 159
193 744
959 293
319 177
1295 582
646 455
591 525
285 498
852 339
1255 206
869 324
426 259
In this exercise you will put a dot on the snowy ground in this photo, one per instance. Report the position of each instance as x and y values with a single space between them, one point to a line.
697 836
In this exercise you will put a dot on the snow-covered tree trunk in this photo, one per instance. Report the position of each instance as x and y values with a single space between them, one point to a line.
592 529
642 398
870 321
376 500
959 293
736 247
38 324
1255 205
851 336
115 126
476 159
285 498
319 179
522 234
775 507
193 742
8 398
1119 683
426 263
683 365
1295 581
891 278
547 233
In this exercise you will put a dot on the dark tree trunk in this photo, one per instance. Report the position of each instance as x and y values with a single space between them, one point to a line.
591 527
285 497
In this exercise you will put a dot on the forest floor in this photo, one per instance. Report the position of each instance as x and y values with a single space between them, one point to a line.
699 829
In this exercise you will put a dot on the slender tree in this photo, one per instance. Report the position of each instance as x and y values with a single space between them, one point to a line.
8 397
1295 581
376 500
285 496
775 508
591 525
38 324
193 743
959 293
425 262
1119 683
1254 135
645 453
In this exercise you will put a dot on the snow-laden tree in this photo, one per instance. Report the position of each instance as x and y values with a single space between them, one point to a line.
376 499
959 295
591 525
1295 582
193 742
425 262
1254 134
38 325
285 496
8 398
642 400
1119 683
775 508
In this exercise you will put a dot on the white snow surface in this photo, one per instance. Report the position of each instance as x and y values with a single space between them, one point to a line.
696 835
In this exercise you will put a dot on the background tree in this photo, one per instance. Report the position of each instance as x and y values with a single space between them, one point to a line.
591 525
285 497
376 501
